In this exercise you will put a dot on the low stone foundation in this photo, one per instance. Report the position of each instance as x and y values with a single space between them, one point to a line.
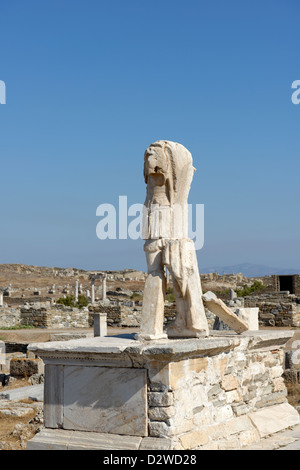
224 391
58 316
118 313
280 310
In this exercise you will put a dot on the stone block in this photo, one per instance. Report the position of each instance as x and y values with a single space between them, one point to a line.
160 399
155 443
194 439
291 375
220 364
159 429
276 371
25 367
238 425
233 444
292 359
248 436
60 439
179 370
274 419
220 309
50 439
271 399
240 409
223 413
33 392
233 396
100 324
98 441
278 384
161 413
92 402
250 317
229 382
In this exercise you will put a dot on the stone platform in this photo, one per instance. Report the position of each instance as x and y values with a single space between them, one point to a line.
223 391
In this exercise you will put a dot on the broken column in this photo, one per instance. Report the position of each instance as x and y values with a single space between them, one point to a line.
93 291
232 294
104 287
218 308
76 291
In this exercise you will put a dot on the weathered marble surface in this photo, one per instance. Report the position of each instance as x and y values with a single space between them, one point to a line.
103 399
100 399
224 391
60 439
168 173
126 352
275 418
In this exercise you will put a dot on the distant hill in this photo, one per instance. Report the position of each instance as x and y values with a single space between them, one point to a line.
248 270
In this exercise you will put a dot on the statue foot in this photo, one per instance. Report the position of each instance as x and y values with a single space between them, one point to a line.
175 332
149 337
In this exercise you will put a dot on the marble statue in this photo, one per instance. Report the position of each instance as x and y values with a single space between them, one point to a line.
168 173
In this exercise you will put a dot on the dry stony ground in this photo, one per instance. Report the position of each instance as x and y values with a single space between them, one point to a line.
19 420
24 279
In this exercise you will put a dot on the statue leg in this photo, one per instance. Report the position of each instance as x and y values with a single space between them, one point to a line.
179 324
190 319
196 320
154 298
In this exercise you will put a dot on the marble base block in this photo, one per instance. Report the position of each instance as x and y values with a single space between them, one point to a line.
219 392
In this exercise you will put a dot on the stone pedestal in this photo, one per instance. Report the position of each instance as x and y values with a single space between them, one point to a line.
221 392
100 324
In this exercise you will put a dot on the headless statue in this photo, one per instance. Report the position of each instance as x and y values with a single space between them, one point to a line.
168 173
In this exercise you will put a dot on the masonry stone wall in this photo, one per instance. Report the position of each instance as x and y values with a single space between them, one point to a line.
272 283
221 392
276 309
217 393
118 314
45 315
297 285
54 317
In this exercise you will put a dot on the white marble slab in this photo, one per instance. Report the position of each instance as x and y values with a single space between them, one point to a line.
102 399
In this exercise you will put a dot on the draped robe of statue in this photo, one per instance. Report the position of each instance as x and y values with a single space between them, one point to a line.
168 172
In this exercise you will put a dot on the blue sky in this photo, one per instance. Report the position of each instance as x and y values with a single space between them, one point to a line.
91 83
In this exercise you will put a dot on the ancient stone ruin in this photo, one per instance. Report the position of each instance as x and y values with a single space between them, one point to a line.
176 387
